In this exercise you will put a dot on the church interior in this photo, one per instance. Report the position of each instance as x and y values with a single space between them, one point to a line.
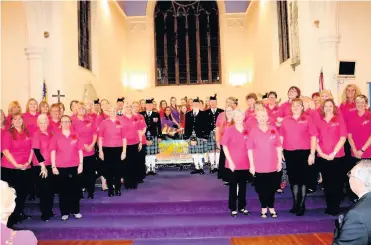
59 51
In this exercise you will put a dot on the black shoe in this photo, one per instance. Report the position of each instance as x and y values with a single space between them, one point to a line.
310 191
201 171
141 181
244 212
294 209
45 218
110 193
82 196
91 196
226 183
234 213
196 171
274 215
263 215
24 216
118 193
301 211
31 198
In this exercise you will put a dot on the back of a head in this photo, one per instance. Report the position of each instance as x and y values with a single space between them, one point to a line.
362 172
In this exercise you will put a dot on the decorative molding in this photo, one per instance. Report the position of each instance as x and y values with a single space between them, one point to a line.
235 23
329 39
137 26
34 52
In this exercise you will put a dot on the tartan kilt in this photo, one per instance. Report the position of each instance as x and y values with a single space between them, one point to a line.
201 147
211 143
153 149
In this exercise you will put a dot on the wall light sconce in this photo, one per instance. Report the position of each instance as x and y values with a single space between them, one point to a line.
137 81
238 79
316 23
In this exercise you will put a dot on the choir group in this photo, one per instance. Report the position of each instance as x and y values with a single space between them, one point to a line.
45 151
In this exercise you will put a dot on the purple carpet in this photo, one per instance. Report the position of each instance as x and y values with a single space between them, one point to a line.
177 205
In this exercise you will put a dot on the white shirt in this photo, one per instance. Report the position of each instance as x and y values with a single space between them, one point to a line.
149 113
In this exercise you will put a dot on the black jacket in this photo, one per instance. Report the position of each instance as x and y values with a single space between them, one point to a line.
199 124
354 228
211 118
153 123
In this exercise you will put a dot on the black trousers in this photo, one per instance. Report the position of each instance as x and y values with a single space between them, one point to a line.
19 180
313 174
70 190
132 169
223 173
142 163
333 175
238 178
113 167
88 173
46 193
34 190
266 185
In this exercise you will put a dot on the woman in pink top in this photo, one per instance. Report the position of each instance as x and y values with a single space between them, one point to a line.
30 116
42 164
264 151
13 109
272 107
43 108
285 108
112 151
348 106
16 164
298 135
3 128
332 133
85 127
132 169
360 130
143 128
67 162
222 122
54 119
251 99
234 146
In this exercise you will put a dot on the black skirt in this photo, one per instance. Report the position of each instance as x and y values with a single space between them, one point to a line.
297 166
132 169
267 182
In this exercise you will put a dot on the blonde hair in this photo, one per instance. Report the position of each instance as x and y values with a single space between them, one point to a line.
307 103
344 94
14 104
28 104
43 103
328 93
7 201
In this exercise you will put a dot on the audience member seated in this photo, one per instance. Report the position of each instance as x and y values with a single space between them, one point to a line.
355 226
9 236
170 127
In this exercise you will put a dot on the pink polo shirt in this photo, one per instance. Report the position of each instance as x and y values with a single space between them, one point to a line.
285 109
348 110
111 133
250 112
222 124
236 142
297 132
360 128
42 142
86 130
329 134
20 148
264 146
131 128
30 122
273 113
66 149
251 122
54 127
100 118
142 124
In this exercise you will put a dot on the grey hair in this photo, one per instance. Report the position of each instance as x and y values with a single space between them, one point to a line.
363 173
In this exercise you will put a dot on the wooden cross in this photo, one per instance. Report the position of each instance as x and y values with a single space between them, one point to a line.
58 95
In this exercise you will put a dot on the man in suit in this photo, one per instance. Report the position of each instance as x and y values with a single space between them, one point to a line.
355 226
153 134
120 106
196 130
212 115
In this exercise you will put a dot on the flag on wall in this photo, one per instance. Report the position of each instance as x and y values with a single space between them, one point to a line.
321 87
45 92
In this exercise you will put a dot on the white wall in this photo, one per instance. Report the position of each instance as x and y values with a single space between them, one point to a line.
14 64
355 33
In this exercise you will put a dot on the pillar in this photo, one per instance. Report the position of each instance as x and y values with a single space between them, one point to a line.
329 40
35 58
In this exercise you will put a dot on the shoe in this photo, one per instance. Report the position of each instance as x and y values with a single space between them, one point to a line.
274 215
65 217
45 218
301 211
82 195
263 215
91 196
294 209
141 181
279 191
196 171
78 216
234 213
226 183
244 212
24 216
110 193
201 172
31 198
331 212
310 191
118 193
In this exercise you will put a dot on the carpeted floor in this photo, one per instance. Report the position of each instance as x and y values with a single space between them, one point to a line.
177 205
